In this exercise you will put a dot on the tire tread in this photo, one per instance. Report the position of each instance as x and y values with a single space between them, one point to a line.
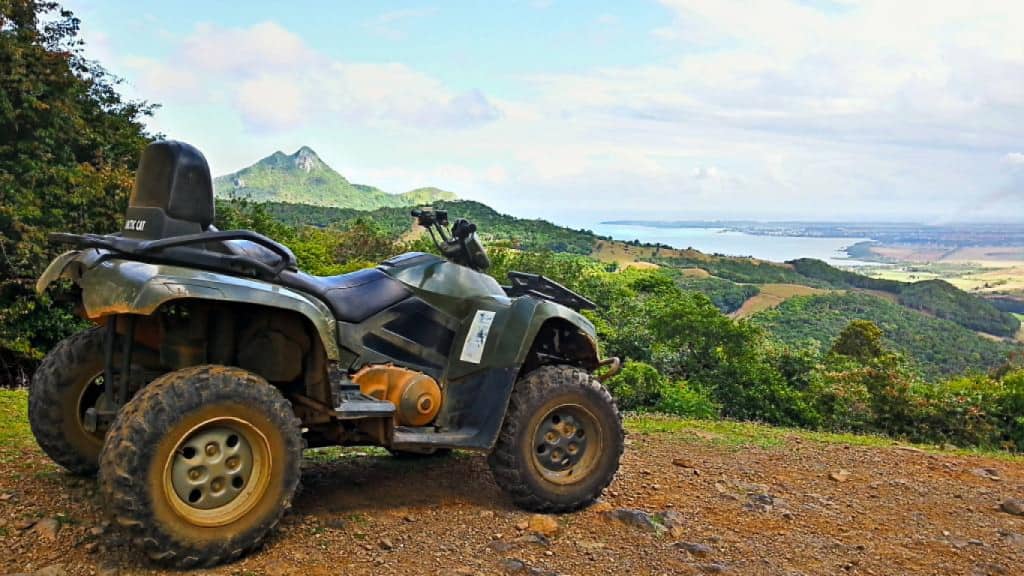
156 407
506 466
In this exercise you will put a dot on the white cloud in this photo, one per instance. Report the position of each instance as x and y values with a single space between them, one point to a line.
705 173
275 81
869 105
1014 159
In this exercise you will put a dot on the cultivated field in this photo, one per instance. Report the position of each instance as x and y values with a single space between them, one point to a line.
772 295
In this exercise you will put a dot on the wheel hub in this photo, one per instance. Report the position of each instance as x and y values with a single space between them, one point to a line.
212 467
560 441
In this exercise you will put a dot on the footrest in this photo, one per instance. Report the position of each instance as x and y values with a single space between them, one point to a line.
354 404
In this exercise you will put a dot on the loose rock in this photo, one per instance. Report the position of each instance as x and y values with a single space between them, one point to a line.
839 475
674 522
695 548
1013 506
987 473
46 528
1013 539
634 518
543 525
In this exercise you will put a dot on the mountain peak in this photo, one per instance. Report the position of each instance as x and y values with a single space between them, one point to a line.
306 159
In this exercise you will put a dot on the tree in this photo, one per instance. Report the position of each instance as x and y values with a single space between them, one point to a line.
861 339
69 145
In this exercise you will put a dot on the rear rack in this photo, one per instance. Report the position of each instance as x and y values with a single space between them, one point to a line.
175 250
524 284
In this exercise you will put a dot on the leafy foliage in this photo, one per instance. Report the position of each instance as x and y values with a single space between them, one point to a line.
861 339
69 149
359 243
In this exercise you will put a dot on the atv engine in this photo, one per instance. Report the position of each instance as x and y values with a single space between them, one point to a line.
416 396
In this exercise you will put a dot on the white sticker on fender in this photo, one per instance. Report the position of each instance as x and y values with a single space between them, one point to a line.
473 347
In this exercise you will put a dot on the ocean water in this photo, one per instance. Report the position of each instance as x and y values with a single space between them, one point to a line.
721 241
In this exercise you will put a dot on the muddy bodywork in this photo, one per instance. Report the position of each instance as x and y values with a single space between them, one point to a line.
116 286
456 325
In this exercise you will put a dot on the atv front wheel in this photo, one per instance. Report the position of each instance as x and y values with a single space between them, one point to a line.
67 383
560 445
201 464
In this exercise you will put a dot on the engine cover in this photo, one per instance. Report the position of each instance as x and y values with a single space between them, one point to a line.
416 396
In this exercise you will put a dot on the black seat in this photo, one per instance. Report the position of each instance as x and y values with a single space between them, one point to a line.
352 297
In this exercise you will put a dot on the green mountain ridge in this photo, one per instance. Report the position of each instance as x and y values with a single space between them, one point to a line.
304 178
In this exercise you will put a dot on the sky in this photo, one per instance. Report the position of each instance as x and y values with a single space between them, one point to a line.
584 110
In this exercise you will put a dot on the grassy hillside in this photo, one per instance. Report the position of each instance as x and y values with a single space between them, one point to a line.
304 178
939 347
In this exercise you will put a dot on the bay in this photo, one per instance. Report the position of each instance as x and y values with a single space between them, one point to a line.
733 243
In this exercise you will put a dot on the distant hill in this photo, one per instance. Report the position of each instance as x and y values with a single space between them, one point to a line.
303 178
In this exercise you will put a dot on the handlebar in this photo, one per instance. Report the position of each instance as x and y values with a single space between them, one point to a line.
454 245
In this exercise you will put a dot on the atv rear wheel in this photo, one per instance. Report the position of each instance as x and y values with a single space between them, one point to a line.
202 464
560 445
68 382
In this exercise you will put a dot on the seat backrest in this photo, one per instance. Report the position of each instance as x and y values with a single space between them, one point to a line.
173 193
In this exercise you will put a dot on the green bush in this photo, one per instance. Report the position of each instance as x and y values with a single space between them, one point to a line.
1011 409
682 399
963 411
637 387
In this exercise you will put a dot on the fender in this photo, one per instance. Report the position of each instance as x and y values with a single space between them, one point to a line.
114 286
529 316
477 395
58 268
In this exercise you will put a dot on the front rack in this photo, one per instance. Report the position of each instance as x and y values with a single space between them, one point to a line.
524 284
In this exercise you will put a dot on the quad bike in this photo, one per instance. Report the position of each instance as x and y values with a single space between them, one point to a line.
214 362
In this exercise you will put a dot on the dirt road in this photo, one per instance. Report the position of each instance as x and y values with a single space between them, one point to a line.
761 502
